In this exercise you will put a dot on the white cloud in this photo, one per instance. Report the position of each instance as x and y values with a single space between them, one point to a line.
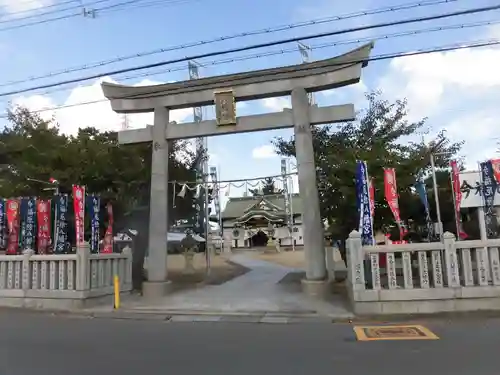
456 90
263 152
425 79
16 6
98 114
355 91
277 104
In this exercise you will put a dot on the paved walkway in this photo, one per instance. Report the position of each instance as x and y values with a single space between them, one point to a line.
256 291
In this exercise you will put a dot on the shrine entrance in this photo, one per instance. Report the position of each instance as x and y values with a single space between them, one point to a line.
259 239
224 91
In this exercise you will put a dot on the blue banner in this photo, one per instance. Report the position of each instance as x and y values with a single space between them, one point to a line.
29 224
489 187
94 204
422 193
363 194
23 212
61 231
359 191
3 225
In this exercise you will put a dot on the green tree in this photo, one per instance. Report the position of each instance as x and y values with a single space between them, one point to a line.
382 137
267 187
32 148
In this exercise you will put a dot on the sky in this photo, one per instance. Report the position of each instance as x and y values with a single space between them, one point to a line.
456 91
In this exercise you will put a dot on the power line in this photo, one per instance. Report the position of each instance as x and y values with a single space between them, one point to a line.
294 49
118 5
78 14
161 91
48 20
277 176
257 46
43 14
157 3
37 9
388 56
268 30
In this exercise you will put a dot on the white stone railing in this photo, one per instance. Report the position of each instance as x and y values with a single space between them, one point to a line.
424 277
65 281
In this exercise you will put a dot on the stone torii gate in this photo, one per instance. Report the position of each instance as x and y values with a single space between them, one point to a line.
224 91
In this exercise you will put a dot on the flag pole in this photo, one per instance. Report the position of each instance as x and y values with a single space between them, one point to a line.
457 222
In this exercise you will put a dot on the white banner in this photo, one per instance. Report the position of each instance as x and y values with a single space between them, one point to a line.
470 185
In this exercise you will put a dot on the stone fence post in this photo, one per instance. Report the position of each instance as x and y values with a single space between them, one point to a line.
127 251
83 267
330 263
355 261
451 260
26 269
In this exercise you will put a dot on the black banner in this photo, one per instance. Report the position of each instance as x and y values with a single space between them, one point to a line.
61 240
29 225
489 187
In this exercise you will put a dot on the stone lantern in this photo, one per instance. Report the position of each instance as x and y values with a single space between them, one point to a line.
189 246
270 229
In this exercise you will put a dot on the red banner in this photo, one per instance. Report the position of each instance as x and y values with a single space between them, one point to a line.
371 188
391 192
496 169
43 221
13 224
455 180
108 237
79 208
391 196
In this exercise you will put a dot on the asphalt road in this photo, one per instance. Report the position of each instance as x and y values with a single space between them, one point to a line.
41 344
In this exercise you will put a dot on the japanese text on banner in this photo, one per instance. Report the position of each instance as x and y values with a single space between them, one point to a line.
23 212
30 224
455 180
2 224
108 237
94 203
371 186
13 226
43 216
79 208
391 196
489 186
495 163
364 203
61 239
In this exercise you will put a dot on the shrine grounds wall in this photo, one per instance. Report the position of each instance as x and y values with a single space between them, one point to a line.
66 281
424 278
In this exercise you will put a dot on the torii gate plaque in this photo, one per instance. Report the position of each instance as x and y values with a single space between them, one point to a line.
224 91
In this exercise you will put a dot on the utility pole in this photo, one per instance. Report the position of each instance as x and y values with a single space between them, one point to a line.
304 50
287 199
436 197
289 170
202 209
432 154
216 198
200 222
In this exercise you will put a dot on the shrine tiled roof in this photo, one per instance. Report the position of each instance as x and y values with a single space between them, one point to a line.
236 207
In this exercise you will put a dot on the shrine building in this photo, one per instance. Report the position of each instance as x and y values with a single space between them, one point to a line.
248 221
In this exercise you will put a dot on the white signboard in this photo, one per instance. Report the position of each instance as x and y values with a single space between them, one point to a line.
470 183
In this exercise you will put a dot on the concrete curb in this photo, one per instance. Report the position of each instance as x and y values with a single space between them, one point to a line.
177 316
